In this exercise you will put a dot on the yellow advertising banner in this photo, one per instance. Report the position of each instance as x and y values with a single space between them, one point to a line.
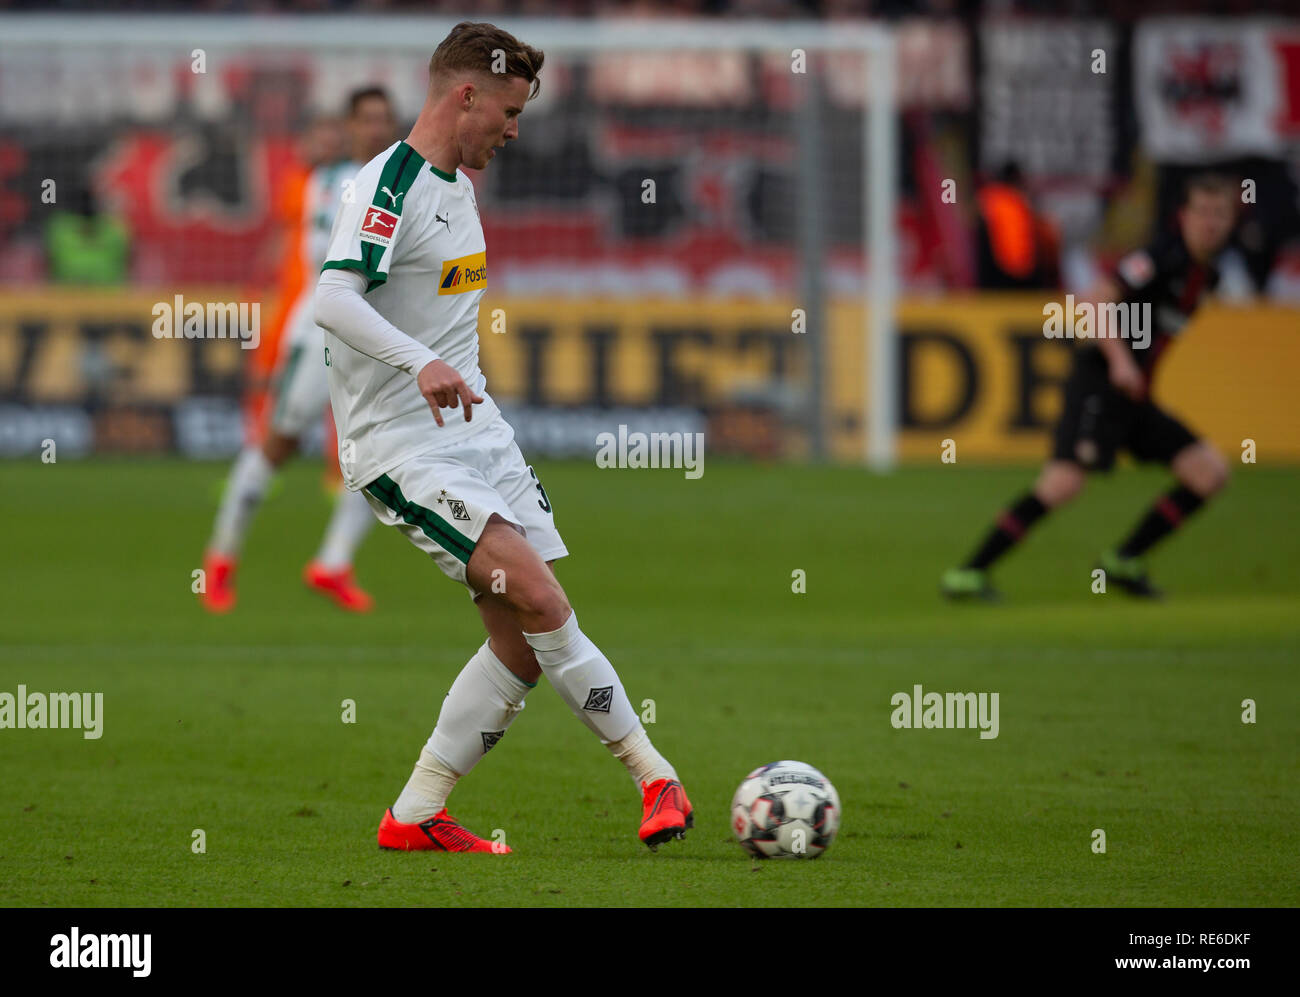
977 370
982 373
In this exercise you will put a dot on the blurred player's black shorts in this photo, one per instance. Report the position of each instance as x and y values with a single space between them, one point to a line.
1098 421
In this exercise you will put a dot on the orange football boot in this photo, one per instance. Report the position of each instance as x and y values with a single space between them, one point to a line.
439 833
339 585
666 812
218 595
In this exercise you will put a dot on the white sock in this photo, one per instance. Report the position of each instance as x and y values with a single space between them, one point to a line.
643 762
482 703
585 680
426 791
348 525
248 480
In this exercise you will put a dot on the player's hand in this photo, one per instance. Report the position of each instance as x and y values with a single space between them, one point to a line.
1126 376
443 387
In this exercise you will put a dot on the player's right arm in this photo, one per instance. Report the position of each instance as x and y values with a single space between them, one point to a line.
362 245
341 308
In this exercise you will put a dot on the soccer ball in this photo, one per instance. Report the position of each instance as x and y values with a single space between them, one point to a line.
785 810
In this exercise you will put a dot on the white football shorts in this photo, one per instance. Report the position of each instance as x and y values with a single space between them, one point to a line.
301 390
442 501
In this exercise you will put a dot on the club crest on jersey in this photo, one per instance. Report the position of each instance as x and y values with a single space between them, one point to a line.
379 225
469 273
1137 268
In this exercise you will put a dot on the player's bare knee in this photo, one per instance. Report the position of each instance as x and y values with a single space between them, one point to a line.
1059 483
519 578
540 603
1207 472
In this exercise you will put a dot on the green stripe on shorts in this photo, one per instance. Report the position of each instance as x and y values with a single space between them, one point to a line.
430 523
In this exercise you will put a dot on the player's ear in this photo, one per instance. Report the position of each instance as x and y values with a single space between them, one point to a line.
467 95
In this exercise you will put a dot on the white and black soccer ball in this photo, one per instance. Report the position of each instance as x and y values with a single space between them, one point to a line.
785 810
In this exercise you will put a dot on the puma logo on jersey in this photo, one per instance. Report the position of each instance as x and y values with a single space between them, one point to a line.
438 218
391 196
469 273
378 226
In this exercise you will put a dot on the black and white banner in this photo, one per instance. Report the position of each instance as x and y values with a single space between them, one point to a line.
1211 89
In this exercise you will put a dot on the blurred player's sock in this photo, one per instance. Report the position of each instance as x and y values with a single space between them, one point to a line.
1007 531
248 480
1162 519
588 684
348 526
482 703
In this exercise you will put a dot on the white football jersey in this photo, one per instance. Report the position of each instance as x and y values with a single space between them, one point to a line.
414 232
322 197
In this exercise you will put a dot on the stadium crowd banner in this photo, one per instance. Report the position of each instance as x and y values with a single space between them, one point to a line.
1045 100
90 370
195 164
1215 88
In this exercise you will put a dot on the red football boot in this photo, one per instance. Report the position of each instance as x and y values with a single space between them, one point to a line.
439 833
339 585
666 812
218 595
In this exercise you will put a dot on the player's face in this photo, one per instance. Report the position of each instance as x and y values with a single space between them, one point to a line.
371 128
324 142
1207 221
492 120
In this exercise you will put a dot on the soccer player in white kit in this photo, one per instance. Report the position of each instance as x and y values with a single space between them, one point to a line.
398 299
301 390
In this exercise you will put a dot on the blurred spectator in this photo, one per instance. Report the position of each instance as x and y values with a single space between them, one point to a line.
86 246
1017 248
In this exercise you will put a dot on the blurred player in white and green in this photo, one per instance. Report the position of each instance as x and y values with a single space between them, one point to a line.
399 299
301 391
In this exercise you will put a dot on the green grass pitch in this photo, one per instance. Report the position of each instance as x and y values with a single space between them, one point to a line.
1113 715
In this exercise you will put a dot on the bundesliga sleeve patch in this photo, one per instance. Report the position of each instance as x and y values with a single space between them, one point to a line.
378 226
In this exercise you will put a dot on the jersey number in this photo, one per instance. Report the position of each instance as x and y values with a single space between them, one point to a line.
544 502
